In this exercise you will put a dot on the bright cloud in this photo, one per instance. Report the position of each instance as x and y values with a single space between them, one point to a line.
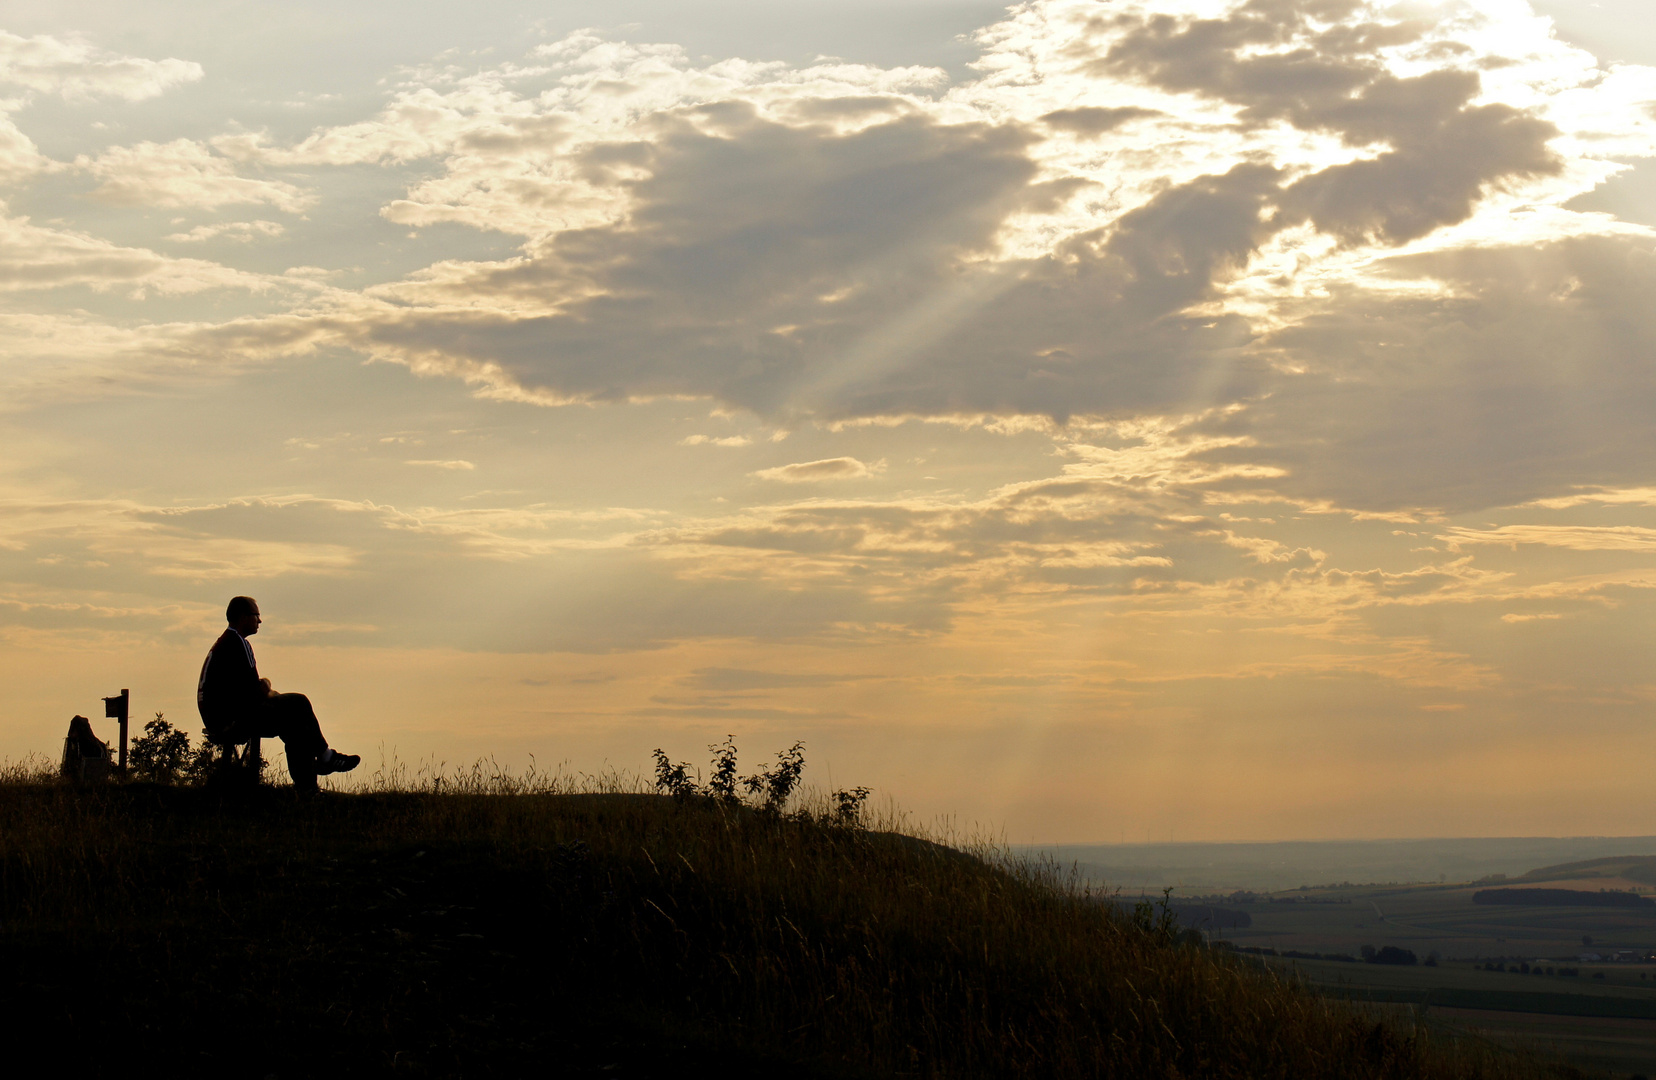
182 173
839 468
75 68
33 257
239 231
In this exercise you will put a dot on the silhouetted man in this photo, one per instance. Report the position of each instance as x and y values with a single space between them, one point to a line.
236 705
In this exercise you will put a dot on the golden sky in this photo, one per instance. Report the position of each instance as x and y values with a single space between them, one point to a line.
1092 420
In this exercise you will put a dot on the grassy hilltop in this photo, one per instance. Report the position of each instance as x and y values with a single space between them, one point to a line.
498 931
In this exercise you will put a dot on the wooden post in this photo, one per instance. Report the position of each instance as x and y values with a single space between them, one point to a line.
116 707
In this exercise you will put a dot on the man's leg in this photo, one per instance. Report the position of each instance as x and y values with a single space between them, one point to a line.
291 719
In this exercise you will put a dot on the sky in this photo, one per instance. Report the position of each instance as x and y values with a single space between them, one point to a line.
1084 421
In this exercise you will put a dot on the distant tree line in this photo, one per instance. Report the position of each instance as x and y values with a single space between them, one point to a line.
1562 898
1390 954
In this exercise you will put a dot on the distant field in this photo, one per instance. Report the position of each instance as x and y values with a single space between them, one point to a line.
1608 1024
1603 1018
1619 1045
1460 986
1443 918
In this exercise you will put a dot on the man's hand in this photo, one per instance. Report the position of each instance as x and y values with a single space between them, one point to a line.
270 691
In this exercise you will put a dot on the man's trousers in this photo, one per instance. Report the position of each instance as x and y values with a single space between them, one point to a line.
288 717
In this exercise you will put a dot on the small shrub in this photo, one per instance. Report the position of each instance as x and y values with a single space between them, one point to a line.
204 759
723 784
848 808
1159 920
674 779
161 753
774 785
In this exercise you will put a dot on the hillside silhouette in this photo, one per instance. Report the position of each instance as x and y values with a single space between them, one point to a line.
490 927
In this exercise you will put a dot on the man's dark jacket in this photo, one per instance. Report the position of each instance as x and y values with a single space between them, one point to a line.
229 689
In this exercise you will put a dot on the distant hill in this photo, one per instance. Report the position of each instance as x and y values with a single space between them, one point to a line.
1640 868
1222 868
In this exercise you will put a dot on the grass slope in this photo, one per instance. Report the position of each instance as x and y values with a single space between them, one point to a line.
478 934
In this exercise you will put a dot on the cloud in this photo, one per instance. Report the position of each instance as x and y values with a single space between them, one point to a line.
242 232
74 355
740 679
1092 120
1574 537
1485 376
93 543
34 257
839 468
19 156
182 173
709 440
461 466
75 68
1434 177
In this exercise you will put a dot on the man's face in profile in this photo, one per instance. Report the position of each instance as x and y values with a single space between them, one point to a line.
248 624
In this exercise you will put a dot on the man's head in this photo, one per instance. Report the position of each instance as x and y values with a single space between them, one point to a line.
243 615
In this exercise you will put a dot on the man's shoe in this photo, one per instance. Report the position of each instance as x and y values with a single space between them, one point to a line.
338 763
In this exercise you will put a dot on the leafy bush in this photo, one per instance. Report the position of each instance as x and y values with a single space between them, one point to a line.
773 786
723 784
161 753
204 760
673 779
847 810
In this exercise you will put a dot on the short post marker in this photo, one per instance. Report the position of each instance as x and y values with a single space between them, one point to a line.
116 708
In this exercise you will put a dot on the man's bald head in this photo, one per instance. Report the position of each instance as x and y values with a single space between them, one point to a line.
243 614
